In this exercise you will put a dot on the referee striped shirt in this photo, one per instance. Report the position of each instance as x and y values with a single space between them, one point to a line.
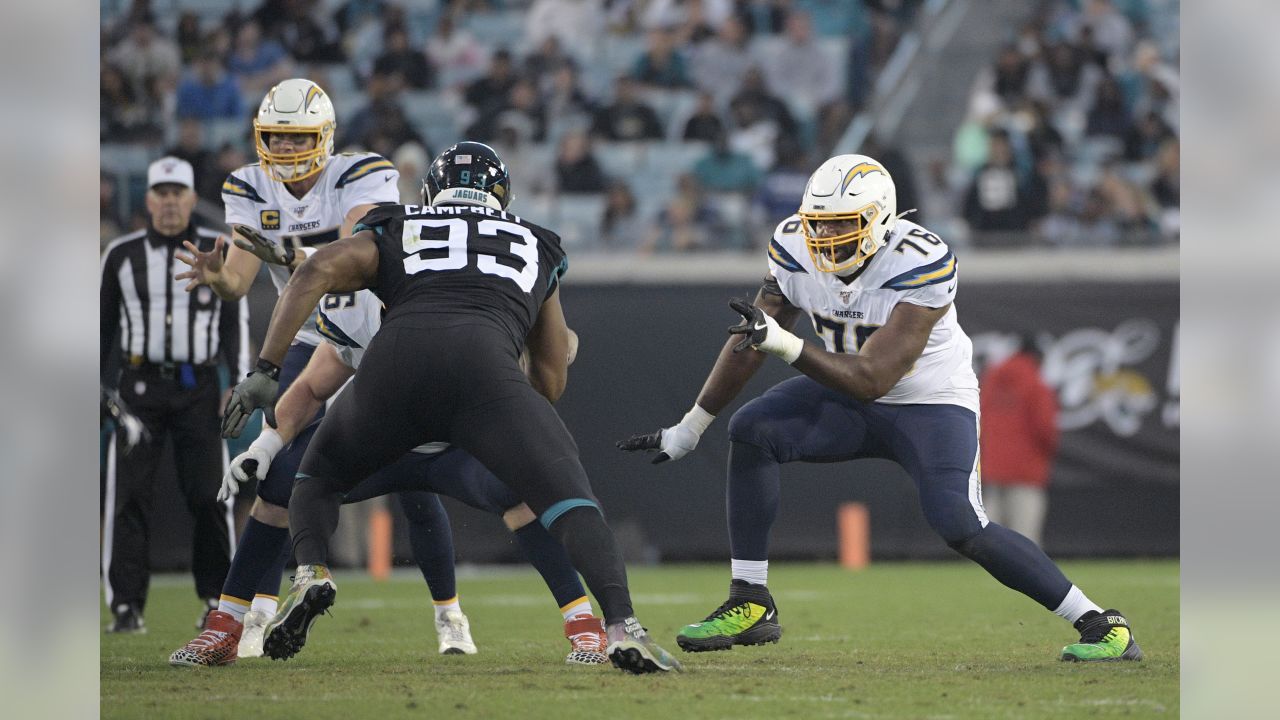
155 319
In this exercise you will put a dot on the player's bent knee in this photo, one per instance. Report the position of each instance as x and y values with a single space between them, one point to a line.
751 424
270 514
518 516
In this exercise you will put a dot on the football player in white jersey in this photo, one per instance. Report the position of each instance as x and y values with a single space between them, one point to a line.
299 195
348 322
895 381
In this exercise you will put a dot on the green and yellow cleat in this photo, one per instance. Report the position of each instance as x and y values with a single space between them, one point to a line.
1104 637
748 617
312 593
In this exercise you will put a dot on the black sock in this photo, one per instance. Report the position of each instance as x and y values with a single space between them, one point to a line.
1018 563
551 561
431 537
313 516
595 553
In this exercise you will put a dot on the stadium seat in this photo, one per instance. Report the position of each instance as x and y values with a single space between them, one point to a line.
577 219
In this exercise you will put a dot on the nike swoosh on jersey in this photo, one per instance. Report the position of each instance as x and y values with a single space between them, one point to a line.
387 179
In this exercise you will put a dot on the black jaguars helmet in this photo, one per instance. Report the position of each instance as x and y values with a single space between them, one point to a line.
468 173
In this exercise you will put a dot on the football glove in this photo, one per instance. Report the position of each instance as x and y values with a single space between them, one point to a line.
257 390
763 333
267 250
251 464
674 442
128 426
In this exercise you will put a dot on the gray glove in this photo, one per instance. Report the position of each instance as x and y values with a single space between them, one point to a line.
269 251
257 390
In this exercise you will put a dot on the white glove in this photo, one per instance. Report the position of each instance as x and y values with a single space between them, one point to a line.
252 463
674 442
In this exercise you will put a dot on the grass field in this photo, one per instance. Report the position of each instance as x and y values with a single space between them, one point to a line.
908 640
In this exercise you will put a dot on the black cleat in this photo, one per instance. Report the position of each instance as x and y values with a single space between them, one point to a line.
312 594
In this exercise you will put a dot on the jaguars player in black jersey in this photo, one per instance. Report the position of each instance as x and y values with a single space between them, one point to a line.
467 287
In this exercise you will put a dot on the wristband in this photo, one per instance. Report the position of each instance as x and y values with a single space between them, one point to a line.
269 441
697 419
787 346
268 368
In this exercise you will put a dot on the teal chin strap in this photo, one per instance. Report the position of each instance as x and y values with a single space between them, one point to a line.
554 512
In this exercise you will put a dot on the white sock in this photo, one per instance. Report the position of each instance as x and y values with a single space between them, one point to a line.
265 604
581 606
753 571
235 607
1074 605
444 606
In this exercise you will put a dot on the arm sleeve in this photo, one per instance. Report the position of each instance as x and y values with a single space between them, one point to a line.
109 312
233 337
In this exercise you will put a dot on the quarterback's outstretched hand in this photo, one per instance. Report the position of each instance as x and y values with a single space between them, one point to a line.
257 390
251 464
205 266
674 442
267 250
763 333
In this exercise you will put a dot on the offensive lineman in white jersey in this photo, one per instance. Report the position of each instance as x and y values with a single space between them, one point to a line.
895 381
299 195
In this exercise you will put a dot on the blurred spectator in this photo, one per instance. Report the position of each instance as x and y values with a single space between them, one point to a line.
381 126
1031 118
764 17
456 54
1166 190
1008 77
705 123
799 72
255 63
570 21
144 55
726 170
576 168
1020 439
661 64
901 170
190 147
677 229
1062 79
208 92
1111 31
563 98
996 199
353 13
230 157
1124 201
719 63
300 25
123 115
1145 137
767 105
525 162
753 133
547 59
782 187
701 18
622 225
400 58
190 39
488 94
655 14
1108 117
523 110
411 160
627 118
1151 85
109 223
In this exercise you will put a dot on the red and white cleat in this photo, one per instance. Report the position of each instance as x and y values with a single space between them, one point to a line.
587 640
215 645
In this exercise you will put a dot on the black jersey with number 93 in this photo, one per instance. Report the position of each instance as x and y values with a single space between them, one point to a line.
466 260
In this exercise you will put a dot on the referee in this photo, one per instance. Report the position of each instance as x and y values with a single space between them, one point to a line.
170 340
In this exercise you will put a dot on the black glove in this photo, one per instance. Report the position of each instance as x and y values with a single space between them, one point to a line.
257 390
753 326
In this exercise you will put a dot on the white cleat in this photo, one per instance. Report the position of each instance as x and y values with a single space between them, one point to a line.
454 632
255 623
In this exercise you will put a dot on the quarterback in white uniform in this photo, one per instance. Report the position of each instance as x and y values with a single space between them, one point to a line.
895 381
298 195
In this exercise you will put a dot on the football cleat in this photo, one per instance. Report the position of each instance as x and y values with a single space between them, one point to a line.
454 631
312 593
127 619
631 649
255 623
215 645
748 617
1104 637
586 640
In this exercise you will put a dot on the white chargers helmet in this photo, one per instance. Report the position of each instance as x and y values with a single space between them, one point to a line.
296 105
852 189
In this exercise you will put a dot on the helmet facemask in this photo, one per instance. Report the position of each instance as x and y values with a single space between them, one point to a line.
295 166
835 252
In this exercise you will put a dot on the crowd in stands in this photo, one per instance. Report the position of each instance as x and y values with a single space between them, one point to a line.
648 125
657 125
1072 133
